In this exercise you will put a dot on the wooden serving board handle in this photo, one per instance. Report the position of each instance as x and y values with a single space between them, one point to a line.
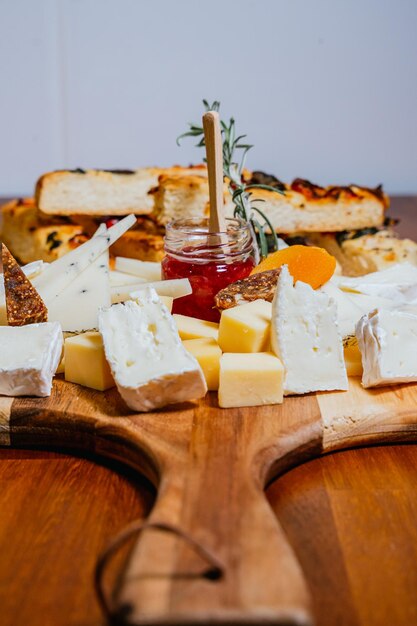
210 467
217 501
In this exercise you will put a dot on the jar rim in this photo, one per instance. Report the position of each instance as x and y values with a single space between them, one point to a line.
188 224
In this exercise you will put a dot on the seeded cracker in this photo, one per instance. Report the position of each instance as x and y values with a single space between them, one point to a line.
23 303
259 286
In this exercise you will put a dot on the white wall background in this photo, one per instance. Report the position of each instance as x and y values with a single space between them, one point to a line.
325 89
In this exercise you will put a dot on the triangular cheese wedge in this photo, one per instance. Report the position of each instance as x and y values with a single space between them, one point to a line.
23 303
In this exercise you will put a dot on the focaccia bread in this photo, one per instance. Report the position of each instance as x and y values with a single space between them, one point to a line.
361 254
303 207
309 208
103 192
177 196
30 235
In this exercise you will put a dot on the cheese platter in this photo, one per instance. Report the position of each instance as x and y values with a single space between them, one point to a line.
245 352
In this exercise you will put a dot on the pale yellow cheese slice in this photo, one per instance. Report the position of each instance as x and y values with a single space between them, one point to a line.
207 352
193 328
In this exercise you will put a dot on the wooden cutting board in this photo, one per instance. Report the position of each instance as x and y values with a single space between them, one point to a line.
228 560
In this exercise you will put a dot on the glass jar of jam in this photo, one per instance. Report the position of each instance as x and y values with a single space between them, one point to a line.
210 261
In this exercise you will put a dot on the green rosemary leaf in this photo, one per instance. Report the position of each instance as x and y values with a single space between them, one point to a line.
261 237
232 169
271 228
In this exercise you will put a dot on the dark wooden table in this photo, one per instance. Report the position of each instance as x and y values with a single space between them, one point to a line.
351 518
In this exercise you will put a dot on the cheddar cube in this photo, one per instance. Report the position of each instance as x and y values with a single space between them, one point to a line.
207 353
251 379
246 328
85 362
193 328
353 360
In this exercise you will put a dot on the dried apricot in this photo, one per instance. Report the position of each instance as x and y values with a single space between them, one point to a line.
310 264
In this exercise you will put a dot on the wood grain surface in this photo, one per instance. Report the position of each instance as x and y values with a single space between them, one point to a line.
350 518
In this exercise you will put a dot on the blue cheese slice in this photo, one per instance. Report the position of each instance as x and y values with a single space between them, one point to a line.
305 336
149 364
59 275
29 358
75 286
388 343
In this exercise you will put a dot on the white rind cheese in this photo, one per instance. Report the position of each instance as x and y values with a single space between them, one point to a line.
29 358
149 364
388 344
305 336
397 283
348 313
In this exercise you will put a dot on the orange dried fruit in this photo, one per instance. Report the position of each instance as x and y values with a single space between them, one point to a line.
310 264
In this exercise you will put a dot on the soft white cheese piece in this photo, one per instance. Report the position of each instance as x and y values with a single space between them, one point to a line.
149 364
388 344
305 336
397 283
29 357
348 313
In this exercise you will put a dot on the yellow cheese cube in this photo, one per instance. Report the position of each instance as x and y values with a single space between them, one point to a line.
251 379
85 362
207 353
353 360
193 328
167 300
246 328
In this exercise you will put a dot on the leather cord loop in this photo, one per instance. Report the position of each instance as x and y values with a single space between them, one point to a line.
215 571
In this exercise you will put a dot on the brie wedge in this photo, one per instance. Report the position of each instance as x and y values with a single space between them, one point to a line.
29 358
149 364
388 344
305 336
397 283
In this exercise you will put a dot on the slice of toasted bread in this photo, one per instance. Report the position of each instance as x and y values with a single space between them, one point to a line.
23 303
30 235
103 192
308 208
260 286
370 252
303 207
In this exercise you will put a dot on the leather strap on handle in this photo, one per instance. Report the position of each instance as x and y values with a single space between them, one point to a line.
113 613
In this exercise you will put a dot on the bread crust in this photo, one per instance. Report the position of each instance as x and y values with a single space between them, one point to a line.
103 192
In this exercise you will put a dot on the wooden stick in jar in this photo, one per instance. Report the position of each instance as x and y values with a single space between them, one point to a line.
214 153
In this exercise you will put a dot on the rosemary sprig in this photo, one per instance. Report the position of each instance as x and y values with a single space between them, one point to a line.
239 190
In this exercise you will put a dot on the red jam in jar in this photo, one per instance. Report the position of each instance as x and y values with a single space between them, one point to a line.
210 262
